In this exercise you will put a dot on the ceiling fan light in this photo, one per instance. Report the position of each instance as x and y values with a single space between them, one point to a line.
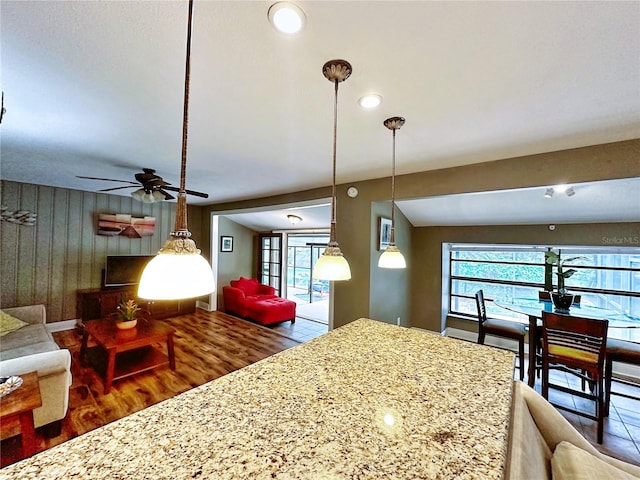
332 265
157 196
392 258
138 194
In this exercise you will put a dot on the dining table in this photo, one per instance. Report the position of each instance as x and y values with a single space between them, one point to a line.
621 325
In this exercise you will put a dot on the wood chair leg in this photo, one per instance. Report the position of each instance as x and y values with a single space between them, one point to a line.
608 373
600 409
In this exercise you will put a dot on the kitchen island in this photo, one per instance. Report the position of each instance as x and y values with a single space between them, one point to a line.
368 401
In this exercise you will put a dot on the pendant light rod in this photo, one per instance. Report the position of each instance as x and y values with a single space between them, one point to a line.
392 256
178 270
332 265
181 229
393 124
335 71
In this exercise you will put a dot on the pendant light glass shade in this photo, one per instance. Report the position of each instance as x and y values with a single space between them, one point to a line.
332 265
171 276
179 271
392 257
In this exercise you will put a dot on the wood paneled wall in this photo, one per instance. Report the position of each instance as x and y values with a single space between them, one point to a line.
62 253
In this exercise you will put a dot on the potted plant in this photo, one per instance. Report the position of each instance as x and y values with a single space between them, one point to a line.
561 298
127 314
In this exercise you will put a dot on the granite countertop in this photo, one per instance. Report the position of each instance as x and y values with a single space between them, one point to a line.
366 401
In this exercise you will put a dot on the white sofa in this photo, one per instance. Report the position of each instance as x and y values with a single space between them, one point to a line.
32 348
542 440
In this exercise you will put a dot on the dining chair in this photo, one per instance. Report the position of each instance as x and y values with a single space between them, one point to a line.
544 295
624 352
500 328
576 345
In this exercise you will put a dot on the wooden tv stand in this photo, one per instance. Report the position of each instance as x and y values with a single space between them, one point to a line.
94 303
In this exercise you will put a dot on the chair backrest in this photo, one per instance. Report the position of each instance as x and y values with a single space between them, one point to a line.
577 342
544 295
482 310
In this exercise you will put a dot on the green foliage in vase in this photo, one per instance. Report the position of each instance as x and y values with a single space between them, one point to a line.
552 258
128 310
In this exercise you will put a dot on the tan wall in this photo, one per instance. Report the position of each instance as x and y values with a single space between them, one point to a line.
62 253
232 265
352 299
382 306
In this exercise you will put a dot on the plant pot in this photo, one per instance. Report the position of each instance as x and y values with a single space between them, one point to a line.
562 301
126 325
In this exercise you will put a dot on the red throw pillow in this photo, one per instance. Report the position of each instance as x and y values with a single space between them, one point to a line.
248 285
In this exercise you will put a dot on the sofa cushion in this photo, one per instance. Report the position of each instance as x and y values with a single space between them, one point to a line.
9 323
529 456
572 463
26 336
28 350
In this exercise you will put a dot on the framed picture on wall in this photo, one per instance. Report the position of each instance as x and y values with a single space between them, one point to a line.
384 232
226 244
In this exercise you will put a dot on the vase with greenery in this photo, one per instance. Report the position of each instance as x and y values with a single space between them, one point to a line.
561 298
127 314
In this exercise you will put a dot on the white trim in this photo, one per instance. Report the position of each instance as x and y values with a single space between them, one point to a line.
203 305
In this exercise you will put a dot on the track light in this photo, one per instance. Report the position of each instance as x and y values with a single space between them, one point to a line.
549 193
570 192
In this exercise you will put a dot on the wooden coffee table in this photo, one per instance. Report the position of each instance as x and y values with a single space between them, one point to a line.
121 353
20 404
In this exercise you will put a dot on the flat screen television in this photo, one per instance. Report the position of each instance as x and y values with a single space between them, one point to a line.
124 269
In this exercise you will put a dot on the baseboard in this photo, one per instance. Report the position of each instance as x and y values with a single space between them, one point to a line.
203 305
626 370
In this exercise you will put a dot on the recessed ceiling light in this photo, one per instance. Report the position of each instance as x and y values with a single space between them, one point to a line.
370 101
286 17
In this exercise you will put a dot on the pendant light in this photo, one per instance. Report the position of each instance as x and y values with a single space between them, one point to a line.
178 270
392 257
332 265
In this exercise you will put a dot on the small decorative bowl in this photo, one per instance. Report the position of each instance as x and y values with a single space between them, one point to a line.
9 384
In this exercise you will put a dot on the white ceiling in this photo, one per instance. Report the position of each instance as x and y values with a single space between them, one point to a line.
607 201
95 88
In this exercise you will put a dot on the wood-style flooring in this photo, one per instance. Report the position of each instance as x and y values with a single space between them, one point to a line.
208 345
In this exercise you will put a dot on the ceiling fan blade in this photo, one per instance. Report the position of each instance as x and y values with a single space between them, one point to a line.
117 188
167 195
190 192
107 179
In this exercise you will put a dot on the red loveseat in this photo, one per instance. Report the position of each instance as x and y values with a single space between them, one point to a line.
247 298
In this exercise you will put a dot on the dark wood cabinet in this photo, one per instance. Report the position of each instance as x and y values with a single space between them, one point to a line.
96 303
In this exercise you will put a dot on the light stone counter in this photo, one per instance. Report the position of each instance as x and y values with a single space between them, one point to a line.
366 401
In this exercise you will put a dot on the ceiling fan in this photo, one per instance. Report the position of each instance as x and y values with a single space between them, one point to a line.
154 188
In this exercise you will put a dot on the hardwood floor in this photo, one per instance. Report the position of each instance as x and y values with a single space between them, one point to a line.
207 346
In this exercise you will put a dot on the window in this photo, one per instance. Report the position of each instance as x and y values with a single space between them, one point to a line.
606 277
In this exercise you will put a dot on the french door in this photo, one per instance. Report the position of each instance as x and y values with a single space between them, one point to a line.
270 260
